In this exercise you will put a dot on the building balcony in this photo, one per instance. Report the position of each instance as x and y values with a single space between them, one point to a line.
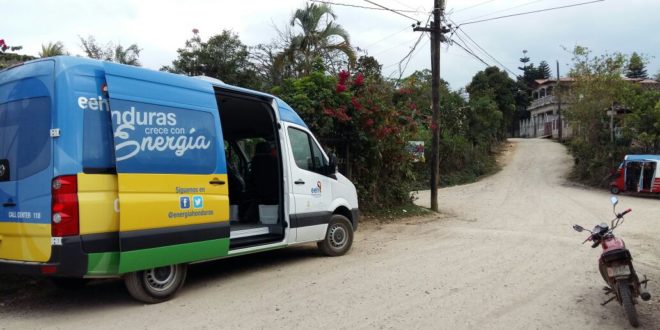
550 99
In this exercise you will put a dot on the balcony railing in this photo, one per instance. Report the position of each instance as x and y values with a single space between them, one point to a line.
550 99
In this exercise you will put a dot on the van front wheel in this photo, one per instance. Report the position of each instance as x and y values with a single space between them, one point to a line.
338 238
156 285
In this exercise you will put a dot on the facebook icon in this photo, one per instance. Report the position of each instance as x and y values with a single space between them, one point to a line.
184 202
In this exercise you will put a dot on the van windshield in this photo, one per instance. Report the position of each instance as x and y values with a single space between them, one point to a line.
24 136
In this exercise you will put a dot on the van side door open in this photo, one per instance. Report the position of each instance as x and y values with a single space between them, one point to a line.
172 177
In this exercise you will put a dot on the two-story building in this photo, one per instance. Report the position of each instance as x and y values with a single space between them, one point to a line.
544 109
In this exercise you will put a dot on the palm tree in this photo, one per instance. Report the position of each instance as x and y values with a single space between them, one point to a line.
110 52
318 40
52 49
128 55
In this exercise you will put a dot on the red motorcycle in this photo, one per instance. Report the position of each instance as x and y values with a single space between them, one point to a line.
615 265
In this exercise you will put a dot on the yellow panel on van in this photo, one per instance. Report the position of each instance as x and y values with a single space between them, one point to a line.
97 199
25 241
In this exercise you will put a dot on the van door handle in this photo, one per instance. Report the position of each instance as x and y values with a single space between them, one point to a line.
299 181
216 182
9 204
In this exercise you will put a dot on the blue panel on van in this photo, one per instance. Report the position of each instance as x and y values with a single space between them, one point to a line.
288 114
26 100
163 123
152 138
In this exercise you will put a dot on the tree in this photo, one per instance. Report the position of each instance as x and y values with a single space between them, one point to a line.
128 55
52 49
636 67
597 88
497 85
223 56
526 83
110 52
543 71
369 67
4 47
8 59
643 120
319 41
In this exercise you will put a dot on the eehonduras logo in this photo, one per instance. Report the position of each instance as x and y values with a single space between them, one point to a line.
318 189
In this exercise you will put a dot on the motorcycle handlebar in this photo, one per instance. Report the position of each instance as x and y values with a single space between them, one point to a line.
620 215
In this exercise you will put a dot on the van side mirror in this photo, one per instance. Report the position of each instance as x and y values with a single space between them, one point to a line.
332 164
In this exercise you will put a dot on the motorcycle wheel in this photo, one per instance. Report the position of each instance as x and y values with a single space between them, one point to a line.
627 302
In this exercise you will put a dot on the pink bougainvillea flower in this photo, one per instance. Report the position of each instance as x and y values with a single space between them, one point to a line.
343 76
356 104
359 80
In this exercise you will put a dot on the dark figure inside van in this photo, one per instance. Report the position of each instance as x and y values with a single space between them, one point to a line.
263 179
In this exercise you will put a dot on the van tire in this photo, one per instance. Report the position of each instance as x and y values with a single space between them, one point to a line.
338 238
156 285
614 190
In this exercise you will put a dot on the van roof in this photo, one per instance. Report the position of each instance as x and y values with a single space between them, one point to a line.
64 63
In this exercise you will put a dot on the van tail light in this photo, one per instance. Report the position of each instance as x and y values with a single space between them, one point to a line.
64 206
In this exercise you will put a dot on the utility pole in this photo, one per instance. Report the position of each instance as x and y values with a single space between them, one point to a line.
436 30
558 94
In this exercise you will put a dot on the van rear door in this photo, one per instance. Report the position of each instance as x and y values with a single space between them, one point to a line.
26 169
173 198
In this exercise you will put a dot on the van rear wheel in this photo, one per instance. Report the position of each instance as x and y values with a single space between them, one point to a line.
614 190
156 285
338 238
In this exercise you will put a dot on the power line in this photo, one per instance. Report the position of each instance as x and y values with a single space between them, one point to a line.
388 49
409 54
473 6
483 50
389 36
392 10
469 52
531 12
364 7
401 71
410 7
503 10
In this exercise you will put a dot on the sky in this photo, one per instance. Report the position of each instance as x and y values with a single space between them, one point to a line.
160 27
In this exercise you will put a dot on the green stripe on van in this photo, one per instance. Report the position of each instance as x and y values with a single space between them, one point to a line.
174 254
106 263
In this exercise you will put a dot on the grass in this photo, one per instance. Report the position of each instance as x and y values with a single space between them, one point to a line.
398 212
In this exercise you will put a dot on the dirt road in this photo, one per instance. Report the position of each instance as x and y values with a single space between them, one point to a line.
502 256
